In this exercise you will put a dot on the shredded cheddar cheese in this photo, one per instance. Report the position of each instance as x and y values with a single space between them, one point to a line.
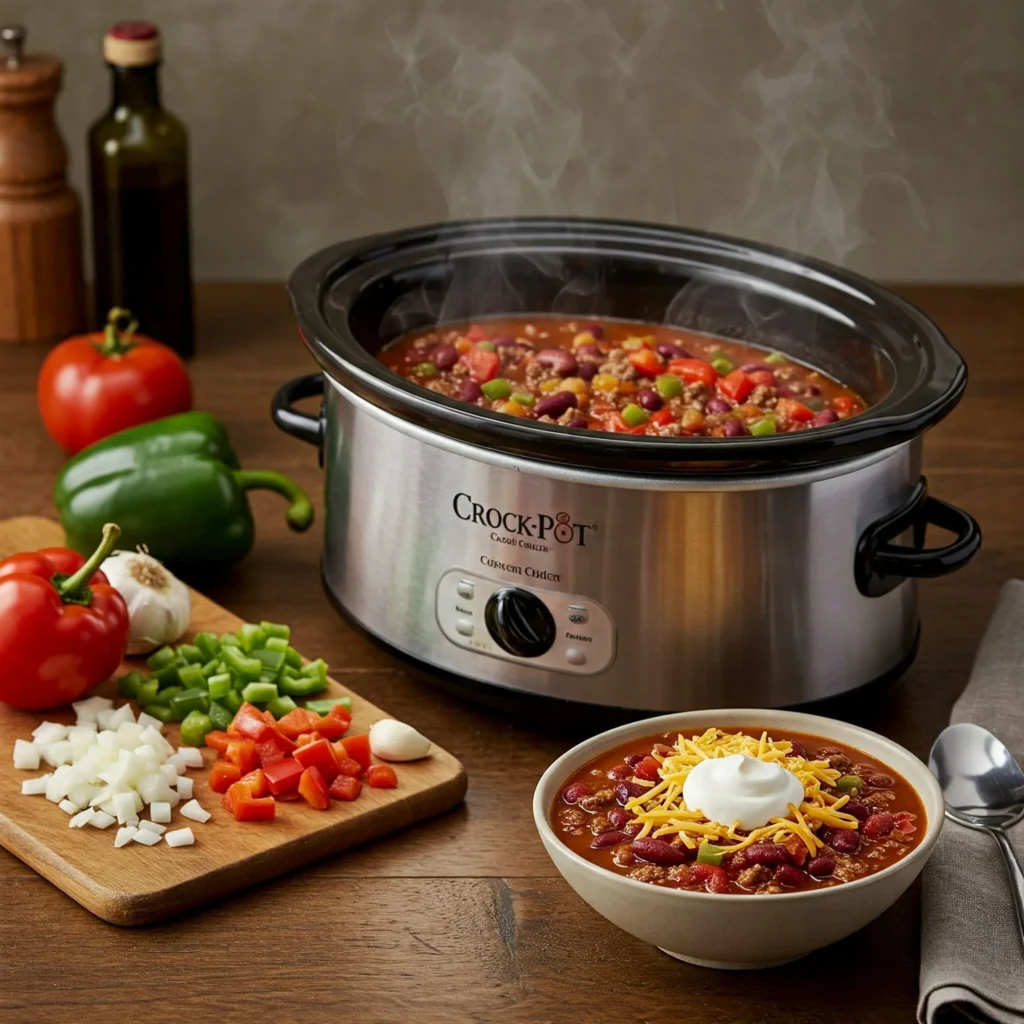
662 811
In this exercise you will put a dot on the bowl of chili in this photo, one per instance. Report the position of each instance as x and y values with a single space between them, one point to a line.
719 895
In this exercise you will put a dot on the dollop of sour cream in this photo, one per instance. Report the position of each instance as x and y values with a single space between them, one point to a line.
741 789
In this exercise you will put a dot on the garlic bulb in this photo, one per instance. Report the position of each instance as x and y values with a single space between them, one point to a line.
396 741
158 602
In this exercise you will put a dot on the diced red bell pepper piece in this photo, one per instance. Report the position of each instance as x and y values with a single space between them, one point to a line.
662 417
765 378
476 333
332 727
381 776
245 807
693 371
297 722
313 789
256 781
736 385
646 362
304 739
483 364
243 754
844 405
793 410
249 723
648 769
283 776
340 711
346 765
319 754
358 748
269 753
224 774
218 740
344 787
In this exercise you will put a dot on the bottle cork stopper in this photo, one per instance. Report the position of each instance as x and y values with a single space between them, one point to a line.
132 44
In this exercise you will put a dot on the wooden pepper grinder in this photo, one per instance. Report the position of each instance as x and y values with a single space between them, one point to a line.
41 281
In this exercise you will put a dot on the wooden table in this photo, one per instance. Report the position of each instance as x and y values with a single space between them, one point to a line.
464 918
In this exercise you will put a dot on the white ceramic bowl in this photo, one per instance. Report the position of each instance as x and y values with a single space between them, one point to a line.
730 931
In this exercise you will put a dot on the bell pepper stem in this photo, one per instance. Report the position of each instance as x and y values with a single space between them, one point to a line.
117 339
71 587
300 508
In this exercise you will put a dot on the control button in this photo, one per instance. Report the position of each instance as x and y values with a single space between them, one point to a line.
465 590
520 622
464 626
575 656
578 614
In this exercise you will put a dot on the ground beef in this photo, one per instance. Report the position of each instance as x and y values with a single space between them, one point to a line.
769 887
623 856
668 430
836 758
848 868
618 365
764 396
696 394
755 875
572 819
602 798
649 873
880 798
599 823
680 873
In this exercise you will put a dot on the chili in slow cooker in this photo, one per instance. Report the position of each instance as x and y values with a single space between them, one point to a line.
595 815
621 376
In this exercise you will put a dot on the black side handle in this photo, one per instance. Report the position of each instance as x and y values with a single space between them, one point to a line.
290 420
881 566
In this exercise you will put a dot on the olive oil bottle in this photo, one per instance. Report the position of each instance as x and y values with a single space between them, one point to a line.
138 171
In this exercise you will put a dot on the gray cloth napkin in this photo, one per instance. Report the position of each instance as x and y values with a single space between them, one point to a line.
972 961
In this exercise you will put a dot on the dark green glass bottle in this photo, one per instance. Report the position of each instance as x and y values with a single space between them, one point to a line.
138 169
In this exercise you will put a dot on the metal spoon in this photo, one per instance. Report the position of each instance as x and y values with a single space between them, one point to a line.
983 787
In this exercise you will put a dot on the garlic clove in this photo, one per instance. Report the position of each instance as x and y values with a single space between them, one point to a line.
391 740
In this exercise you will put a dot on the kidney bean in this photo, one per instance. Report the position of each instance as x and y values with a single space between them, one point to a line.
821 866
560 360
799 750
555 405
812 391
860 810
717 405
576 791
588 350
631 828
633 759
620 771
594 330
503 342
825 417
756 367
789 876
844 840
649 400
670 350
578 423
657 851
609 839
444 357
769 854
879 825
785 391
625 791
619 817
878 781
470 391
733 428
587 370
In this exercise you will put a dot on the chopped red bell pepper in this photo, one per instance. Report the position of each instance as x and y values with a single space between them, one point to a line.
346 764
304 739
791 409
269 753
662 417
297 722
844 405
647 769
476 333
693 371
764 378
224 774
218 740
319 754
381 776
483 364
243 754
314 789
246 807
283 776
250 724
358 748
340 711
736 385
333 727
344 787
646 362
256 781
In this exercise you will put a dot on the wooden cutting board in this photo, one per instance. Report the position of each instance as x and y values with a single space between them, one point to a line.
138 885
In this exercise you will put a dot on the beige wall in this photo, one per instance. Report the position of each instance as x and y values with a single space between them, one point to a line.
887 135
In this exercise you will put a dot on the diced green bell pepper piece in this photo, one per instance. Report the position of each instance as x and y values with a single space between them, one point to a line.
128 684
323 707
668 385
218 686
277 630
497 388
247 670
634 415
848 782
147 691
259 693
763 427
280 706
232 701
251 636
211 668
165 695
272 662
776 359
191 676
708 853
300 686
161 659
220 716
292 658
208 644
167 676
722 365
228 640
425 369
190 654
194 727
276 643
158 711
189 700
523 398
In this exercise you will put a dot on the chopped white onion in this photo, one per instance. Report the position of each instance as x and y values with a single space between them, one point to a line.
194 811
146 837
124 836
180 837
185 785
49 732
160 811
35 787
149 721
68 807
26 756
82 818
100 819
192 757
152 826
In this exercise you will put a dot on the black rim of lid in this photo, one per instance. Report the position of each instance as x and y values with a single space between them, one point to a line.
920 397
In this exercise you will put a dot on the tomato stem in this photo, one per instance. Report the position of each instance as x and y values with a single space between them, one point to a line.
74 587
117 339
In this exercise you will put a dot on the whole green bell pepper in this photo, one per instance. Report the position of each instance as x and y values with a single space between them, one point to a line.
175 486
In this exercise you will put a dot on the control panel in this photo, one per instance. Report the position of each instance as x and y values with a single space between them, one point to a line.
545 628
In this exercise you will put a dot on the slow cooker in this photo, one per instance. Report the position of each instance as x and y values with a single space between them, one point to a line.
646 573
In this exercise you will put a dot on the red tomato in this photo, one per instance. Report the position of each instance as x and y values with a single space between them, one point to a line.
381 776
314 790
763 377
693 371
645 362
96 384
662 417
344 787
736 385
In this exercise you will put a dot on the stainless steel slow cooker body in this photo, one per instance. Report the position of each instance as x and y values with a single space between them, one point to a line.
616 570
